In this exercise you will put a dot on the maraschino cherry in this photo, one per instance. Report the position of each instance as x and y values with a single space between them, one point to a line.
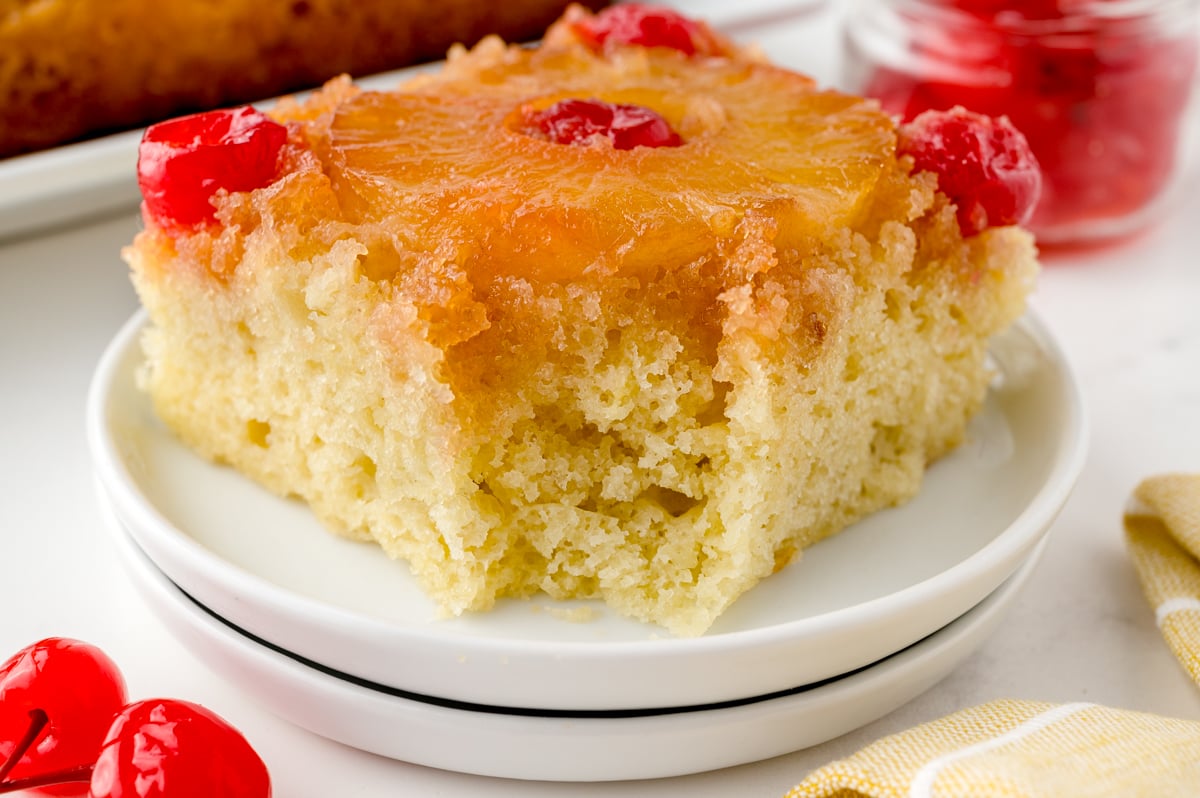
57 699
183 162
163 748
579 121
64 724
984 165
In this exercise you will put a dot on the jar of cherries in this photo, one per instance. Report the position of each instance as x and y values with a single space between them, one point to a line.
1102 89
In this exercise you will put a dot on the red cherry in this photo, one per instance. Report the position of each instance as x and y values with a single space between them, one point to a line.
984 165
648 26
183 162
162 748
578 121
57 698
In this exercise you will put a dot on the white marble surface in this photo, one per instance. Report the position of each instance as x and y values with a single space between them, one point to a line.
1128 315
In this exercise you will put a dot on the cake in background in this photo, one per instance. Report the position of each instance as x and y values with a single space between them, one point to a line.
631 315
76 68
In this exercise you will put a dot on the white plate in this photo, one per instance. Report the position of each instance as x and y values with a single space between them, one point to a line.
550 748
265 564
68 183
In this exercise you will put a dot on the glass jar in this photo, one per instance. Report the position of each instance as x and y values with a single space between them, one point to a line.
1101 88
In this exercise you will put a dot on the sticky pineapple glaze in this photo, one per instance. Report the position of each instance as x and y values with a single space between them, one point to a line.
651 376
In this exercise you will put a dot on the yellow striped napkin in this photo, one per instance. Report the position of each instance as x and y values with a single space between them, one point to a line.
1162 529
1026 749
1023 749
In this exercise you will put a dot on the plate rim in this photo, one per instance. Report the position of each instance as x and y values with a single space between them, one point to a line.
125 539
753 734
137 512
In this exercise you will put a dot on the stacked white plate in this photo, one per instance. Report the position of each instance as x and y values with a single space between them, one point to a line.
334 636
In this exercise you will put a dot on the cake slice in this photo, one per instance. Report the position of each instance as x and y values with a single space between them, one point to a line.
601 319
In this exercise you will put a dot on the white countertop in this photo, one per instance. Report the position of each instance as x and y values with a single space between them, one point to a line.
1128 316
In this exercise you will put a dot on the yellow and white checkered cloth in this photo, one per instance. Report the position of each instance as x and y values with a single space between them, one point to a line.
1023 749
1027 749
1163 532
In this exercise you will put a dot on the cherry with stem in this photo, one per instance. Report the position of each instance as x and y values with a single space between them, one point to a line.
38 720
57 699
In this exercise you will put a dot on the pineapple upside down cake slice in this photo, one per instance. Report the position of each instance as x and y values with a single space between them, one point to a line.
630 315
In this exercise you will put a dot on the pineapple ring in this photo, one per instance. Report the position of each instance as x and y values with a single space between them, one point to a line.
446 159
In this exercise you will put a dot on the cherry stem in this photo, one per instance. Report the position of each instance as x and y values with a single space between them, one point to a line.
81 773
37 721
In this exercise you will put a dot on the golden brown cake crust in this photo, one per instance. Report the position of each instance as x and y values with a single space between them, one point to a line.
70 68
